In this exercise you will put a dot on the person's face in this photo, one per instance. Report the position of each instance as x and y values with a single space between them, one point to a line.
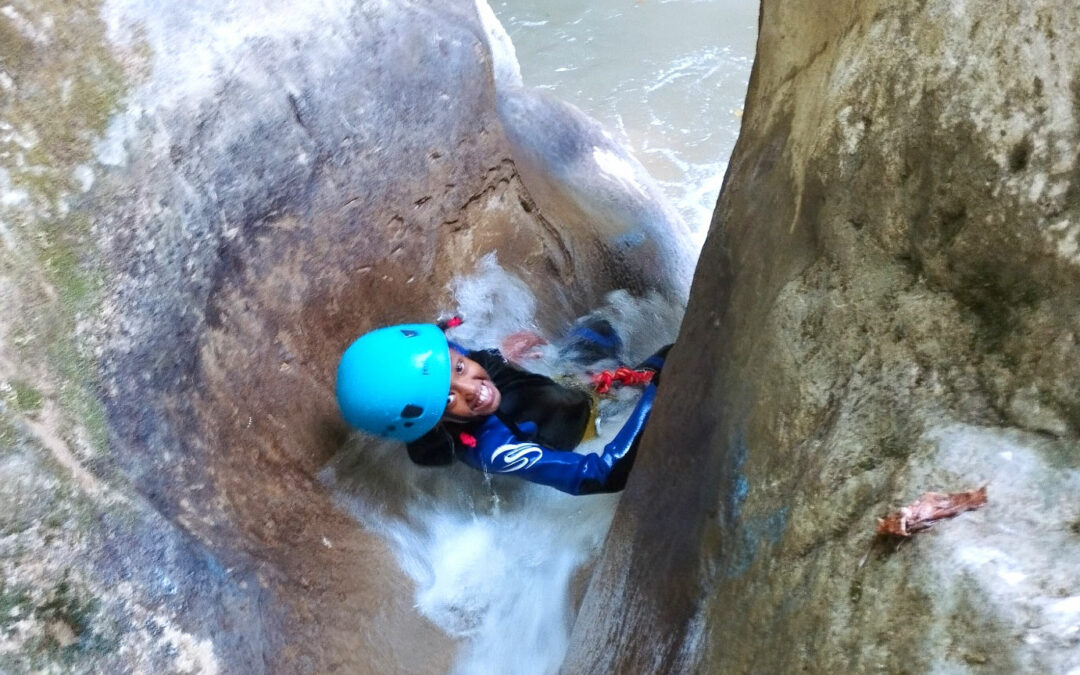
472 393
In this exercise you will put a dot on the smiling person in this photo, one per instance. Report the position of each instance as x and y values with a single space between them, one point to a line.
410 383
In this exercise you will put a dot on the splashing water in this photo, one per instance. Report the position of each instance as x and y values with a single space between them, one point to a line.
667 77
496 561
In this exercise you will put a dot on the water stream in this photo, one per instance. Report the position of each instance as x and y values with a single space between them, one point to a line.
494 558
501 563
666 77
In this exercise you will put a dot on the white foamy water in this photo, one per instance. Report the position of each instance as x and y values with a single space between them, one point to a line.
667 77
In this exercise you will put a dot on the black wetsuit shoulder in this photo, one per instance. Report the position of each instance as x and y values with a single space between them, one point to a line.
435 448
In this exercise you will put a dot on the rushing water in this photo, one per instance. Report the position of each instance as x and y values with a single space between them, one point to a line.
494 558
497 562
666 77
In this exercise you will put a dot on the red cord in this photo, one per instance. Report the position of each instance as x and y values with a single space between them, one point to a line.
604 380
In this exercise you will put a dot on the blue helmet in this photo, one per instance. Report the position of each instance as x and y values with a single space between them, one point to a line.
394 381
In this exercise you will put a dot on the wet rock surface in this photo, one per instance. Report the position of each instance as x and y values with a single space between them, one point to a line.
887 304
202 206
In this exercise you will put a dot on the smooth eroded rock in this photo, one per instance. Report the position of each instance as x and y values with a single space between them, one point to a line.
203 204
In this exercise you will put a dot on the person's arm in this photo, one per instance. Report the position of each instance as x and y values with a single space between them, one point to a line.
655 363
497 450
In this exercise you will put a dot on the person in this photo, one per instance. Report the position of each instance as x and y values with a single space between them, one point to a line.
446 402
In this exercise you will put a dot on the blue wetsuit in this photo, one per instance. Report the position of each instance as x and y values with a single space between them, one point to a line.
498 449
533 433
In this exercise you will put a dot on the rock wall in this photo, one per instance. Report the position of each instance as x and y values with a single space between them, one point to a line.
203 204
887 304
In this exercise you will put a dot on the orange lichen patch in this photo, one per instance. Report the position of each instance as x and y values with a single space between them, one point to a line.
928 509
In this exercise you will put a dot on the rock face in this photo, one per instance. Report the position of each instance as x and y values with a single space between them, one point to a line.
202 206
888 303
588 182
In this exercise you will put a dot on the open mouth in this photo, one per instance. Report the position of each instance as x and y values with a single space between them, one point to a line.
485 396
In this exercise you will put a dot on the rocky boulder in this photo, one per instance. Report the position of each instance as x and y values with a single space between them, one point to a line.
887 304
202 205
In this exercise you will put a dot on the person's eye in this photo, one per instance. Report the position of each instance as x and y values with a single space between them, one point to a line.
449 400
460 367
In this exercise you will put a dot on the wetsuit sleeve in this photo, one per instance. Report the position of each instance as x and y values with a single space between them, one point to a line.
497 450
591 339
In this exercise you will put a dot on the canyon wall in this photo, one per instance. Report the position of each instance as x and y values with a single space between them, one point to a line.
888 303
203 204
